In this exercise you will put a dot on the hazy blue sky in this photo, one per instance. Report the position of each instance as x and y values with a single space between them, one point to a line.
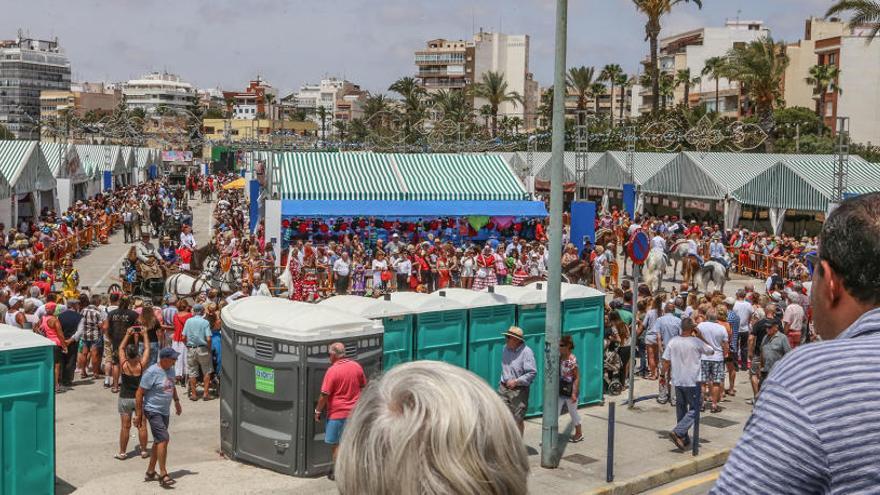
226 42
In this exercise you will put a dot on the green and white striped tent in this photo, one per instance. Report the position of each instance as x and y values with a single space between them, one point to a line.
806 183
23 168
457 177
143 158
69 168
338 176
129 157
610 170
98 158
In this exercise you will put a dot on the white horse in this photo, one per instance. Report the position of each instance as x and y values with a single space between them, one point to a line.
712 272
654 269
677 253
186 285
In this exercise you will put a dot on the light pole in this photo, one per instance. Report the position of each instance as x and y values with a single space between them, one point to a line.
550 419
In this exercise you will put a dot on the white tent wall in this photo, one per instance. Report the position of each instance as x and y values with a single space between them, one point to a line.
65 191
777 218
273 225
732 213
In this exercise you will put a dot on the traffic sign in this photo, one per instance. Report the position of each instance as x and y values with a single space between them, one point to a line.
638 247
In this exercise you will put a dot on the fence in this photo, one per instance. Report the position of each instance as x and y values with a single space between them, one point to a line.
755 264
80 240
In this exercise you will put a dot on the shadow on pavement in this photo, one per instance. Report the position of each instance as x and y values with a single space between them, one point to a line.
62 487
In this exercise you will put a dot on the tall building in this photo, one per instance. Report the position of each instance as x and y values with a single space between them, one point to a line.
28 66
690 50
446 64
341 100
802 56
158 89
509 55
81 99
255 102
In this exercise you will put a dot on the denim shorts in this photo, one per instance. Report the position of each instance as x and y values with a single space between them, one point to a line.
333 431
158 426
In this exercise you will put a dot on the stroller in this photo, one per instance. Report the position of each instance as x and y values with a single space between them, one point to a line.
612 366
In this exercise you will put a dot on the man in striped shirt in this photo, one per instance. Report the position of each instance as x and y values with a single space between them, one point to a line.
816 425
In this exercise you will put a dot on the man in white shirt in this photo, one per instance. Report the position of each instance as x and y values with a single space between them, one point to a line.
403 269
187 239
658 243
684 355
341 272
712 366
744 311
793 318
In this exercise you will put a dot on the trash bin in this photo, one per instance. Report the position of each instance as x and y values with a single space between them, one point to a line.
279 357
27 412
397 342
583 317
440 327
489 316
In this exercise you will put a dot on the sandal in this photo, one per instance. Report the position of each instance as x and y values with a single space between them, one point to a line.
150 476
576 439
166 481
115 390
120 457
145 453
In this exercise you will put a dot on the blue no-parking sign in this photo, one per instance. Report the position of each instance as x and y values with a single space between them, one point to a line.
638 247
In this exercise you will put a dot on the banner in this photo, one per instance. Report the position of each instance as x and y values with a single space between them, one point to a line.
108 180
629 199
255 205
177 156
583 223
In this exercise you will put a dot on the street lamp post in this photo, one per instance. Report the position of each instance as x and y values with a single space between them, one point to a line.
550 419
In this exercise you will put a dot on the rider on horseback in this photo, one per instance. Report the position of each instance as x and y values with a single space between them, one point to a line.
717 253
694 248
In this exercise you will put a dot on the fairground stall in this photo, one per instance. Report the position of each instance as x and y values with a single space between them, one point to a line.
70 175
25 180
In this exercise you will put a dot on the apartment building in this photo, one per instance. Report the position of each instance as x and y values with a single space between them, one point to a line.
158 89
81 99
255 102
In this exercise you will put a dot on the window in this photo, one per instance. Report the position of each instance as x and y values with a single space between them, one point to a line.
829 108
832 59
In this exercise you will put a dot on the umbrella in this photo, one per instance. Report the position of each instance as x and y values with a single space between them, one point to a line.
236 184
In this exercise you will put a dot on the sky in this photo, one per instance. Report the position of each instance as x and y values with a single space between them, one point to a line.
225 43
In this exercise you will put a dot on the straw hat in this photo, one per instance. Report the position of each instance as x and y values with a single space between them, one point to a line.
515 332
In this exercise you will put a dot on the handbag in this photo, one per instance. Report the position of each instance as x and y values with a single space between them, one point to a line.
565 388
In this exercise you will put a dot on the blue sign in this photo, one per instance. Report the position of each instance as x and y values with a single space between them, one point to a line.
629 199
108 180
638 248
153 171
255 204
583 223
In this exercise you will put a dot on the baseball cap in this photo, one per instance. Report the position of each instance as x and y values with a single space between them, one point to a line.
168 353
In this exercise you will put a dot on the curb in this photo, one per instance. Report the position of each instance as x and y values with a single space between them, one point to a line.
660 477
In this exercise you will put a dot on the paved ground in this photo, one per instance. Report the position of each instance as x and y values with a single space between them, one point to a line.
692 485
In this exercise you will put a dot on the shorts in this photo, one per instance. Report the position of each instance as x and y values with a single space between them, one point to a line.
58 354
158 426
712 371
333 431
651 339
88 345
126 406
108 352
196 358
755 368
516 399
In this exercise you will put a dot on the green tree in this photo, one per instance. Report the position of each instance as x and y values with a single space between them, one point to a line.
597 90
716 68
824 80
413 102
611 74
453 104
214 113
322 114
579 80
376 107
623 82
299 115
341 128
862 13
683 78
5 133
493 88
799 129
654 10
666 89
759 66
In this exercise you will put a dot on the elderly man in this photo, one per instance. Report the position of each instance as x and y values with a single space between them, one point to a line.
149 260
683 354
340 392
197 332
518 370
817 422
153 401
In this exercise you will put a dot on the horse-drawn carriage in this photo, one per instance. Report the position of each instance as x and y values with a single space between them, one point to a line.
133 282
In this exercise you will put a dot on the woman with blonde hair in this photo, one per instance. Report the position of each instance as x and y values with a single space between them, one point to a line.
428 427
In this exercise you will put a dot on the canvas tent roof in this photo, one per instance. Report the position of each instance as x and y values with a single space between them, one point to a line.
72 167
23 168
610 171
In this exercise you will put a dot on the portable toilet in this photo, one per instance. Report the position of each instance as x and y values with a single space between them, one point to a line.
583 317
279 357
397 343
27 412
489 316
531 317
440 327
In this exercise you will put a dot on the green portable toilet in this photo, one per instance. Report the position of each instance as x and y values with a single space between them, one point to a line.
440 327
531 316
27 412
397 343
489 316
583 317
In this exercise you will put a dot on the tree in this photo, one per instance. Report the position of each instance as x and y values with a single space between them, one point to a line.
862 13
515 124
214 113
611 74
666 89
824 80
230 103
716 68
597 89
683 78
623 82
654 10
299 115
545 109
579 80
322 114
759 66
493 88
413 102
341 127
6 134
376 108
453 104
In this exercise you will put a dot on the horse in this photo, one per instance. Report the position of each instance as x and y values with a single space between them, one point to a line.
654 269
690 267
578 271
212 277
677 253
712 272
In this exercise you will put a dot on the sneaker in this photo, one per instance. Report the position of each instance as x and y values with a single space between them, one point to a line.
677 440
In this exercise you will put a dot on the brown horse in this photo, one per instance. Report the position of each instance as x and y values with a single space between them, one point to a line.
578 272
690 266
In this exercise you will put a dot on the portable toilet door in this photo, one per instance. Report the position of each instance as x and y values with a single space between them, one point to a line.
440 329
397 341
489 316
531 317
228 393
27 413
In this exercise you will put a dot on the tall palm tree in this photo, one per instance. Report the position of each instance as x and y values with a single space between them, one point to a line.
413 101
611 73
716 68
375 108
597 89
654 10
759 67
623 81
666 89
453 103
579 80
862 12
683 78
824 80
493 88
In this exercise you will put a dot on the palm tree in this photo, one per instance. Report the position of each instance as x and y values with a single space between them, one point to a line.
623 81
6 134
453 104
716 68
824 80
413 101
611 73
654 10
322 114
597 89
683 78
515 124
579 80
666 89
341 127
759 67
862 13
493 88
375 108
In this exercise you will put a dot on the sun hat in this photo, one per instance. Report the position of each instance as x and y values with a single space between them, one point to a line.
514 332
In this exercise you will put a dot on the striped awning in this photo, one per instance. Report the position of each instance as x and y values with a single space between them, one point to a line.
23 168
142 158
338 176
610 170
457 177
70 168
97 158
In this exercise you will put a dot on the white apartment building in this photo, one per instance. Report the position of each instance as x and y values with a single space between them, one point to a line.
158 89
691 49
340 99
508 54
